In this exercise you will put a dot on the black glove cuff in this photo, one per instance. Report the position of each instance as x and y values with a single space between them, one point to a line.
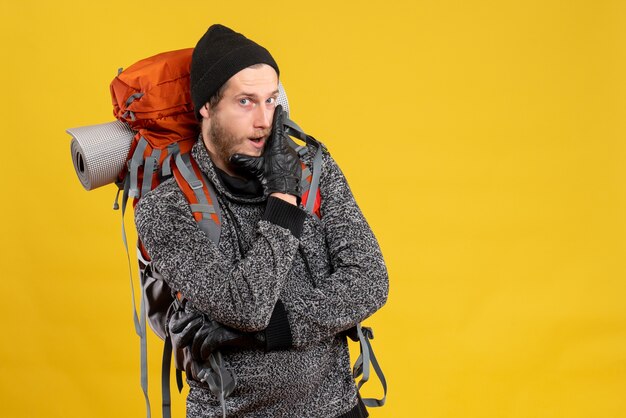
287 185
284 214
278 332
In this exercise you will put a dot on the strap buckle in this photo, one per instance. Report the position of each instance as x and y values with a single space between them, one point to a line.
195 184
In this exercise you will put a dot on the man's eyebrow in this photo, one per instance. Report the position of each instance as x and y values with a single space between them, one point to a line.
243 93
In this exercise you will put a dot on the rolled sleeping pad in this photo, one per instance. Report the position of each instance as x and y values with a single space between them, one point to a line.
99 152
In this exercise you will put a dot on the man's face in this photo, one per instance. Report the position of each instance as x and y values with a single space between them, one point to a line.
241 122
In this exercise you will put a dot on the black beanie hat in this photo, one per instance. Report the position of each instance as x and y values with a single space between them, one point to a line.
220 54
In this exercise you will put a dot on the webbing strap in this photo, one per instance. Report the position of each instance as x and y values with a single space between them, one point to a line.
143 341
165 378
148 169
300 149
190 178
291 124
292 129
120 187
135 162
362 366
132 98
215 229
221 382
315 181
140 322
129 113
304 183
166 167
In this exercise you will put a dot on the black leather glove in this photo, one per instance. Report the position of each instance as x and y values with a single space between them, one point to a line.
183 325
279 169
353 333
190 328
214 336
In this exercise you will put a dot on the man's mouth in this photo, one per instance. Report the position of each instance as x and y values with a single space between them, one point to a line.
258 142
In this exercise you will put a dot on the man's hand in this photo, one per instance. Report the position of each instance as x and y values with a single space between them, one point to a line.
183 325
214 336
189 327
279 168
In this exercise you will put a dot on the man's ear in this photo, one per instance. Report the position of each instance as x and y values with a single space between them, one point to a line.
204 110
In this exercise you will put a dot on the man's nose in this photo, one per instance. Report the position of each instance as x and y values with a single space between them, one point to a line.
263 116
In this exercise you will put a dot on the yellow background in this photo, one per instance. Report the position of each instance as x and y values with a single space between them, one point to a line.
484 140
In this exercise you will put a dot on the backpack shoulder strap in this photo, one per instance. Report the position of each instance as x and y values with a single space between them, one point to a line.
310 176
200 194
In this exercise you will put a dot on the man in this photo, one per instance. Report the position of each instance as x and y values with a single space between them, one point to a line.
278 293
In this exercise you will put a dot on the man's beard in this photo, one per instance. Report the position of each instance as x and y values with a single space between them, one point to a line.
224 143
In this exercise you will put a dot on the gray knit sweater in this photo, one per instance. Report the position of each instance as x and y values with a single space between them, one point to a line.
278 269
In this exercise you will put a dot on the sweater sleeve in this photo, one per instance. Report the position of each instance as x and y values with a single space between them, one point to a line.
357 285
240 294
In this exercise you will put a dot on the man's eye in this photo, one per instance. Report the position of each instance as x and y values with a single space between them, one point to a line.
271 100
244 102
